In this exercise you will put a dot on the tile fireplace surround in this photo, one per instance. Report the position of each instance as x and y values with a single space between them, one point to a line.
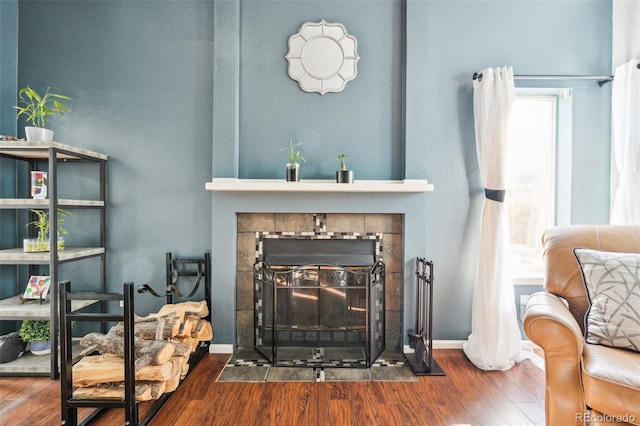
244 208
251 226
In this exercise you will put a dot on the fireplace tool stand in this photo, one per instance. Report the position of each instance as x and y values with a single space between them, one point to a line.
421 360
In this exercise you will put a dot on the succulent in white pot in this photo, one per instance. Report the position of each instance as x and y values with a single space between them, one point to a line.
38 109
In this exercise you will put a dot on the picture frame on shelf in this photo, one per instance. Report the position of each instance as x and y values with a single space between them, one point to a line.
39 184
37 288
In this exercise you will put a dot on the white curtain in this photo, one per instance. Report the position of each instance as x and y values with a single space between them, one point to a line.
625 123
495 341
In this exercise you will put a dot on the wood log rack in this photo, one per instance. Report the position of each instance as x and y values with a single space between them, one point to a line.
69 404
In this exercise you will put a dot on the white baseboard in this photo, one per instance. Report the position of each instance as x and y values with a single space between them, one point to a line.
220 349
457 344
448 344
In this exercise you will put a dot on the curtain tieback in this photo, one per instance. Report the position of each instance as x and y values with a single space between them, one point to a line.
495 194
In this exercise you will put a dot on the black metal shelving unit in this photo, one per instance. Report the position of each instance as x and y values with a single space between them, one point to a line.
49 156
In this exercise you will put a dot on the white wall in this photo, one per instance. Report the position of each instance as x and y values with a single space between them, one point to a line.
626 31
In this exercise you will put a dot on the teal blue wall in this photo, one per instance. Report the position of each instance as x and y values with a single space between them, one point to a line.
364 120
140 75
179 91
8 94
8 64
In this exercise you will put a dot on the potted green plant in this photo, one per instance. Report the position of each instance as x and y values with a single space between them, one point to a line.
40 108
343 175
38 334
42 224
295 158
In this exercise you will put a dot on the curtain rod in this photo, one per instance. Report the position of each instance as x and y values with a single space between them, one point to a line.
601 79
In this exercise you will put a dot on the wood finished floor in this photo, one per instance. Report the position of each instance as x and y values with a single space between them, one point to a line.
465 396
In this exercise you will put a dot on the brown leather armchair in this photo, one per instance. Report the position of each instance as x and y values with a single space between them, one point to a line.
585 383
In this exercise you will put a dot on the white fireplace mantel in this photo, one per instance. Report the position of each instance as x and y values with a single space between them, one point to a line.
318 185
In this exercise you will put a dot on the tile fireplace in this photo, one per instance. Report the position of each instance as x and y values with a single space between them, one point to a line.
355 272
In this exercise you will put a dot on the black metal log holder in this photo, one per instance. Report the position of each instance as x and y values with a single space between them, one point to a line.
421 360
69 406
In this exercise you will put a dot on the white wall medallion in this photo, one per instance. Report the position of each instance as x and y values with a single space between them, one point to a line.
322 57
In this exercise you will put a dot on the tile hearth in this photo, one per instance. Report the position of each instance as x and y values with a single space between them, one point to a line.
247 365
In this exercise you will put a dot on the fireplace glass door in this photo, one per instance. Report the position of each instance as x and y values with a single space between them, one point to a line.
319 314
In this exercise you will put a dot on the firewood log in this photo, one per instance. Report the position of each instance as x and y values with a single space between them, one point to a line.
180 349
182 361
172 384
154 316
186 328
203 331
107 368
195 308
185 370
145 391
176 374
188 341
153 352
148 328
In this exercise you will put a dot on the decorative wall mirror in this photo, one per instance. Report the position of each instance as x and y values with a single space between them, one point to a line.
322 57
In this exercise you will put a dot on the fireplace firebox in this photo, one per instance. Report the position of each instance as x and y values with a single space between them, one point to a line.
324 314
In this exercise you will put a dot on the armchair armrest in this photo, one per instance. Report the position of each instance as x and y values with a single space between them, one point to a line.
549 324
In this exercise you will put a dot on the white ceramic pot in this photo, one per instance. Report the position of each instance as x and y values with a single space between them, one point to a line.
38 134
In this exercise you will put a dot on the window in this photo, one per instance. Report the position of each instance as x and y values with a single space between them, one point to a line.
531 178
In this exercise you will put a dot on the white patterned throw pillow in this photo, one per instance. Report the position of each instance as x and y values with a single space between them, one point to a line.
613 287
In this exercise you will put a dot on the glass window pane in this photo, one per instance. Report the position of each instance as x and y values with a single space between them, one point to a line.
531 180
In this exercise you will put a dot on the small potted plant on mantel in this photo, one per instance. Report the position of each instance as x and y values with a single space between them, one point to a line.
343 175
295 158
41 243
38 108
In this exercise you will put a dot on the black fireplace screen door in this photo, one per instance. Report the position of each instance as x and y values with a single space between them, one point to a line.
319 315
